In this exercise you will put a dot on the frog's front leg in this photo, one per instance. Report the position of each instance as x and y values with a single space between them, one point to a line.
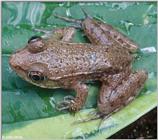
75 104
113 97
63 34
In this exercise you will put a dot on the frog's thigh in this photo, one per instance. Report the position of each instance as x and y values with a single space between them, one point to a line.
81 96
63 34
113 98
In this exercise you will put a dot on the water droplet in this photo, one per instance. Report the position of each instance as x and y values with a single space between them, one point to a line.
149 49
68 12
151 75
146 20
17 93
18 27
52 102
61 4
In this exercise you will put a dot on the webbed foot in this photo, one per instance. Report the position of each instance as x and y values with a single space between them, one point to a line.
65 104
68 104
94 115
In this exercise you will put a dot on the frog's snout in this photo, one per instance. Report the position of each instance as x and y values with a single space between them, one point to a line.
12 61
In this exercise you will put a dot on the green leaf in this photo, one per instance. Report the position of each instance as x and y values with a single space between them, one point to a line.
50 127
29 111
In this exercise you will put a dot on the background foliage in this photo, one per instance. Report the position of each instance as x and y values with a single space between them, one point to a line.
28 112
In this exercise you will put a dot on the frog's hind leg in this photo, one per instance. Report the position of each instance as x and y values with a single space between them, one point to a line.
117 93
112 99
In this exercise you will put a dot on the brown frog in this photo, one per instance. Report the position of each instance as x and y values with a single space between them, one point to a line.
56 62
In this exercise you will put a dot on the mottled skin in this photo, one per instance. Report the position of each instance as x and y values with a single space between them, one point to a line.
105 34
60 63
100 33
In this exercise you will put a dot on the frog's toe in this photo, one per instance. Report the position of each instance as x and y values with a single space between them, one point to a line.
64 105
69 98
91 116
62 108
47 33
68 104
73 107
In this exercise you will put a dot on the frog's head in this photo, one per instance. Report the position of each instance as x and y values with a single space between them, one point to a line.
31 63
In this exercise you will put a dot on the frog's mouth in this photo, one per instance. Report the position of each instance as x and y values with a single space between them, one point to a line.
47 83
23 74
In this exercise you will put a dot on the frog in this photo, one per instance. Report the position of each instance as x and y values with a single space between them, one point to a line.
57 62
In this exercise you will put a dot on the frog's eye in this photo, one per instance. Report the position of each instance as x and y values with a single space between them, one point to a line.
36 76
37 72
34 38
36 44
